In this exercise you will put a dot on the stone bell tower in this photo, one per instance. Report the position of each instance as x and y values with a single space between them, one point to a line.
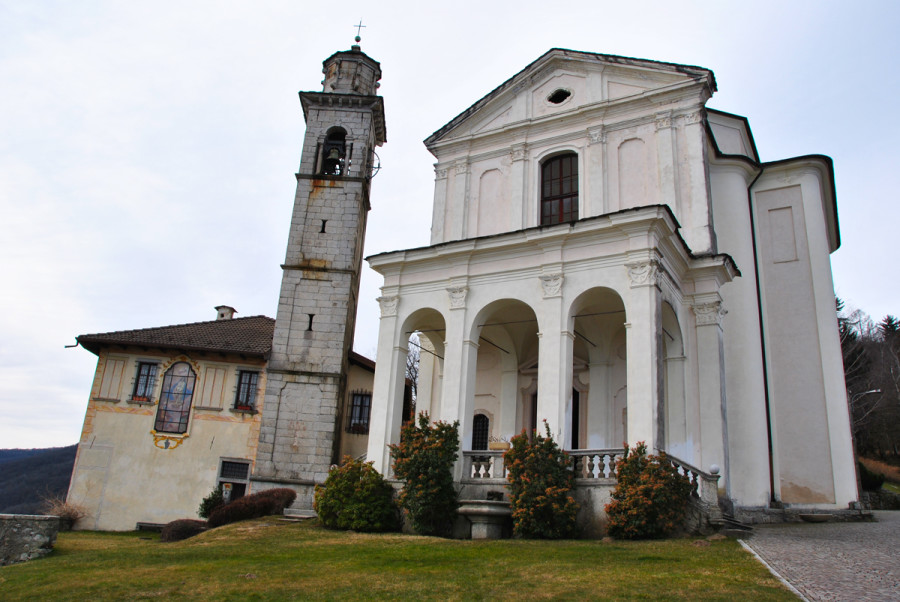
320 283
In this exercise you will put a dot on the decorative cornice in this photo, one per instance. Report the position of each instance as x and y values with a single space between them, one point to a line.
709 313
552 284
643 273
458 296
388 306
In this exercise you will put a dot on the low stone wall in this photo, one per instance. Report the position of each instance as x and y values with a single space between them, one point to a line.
881 500
25 537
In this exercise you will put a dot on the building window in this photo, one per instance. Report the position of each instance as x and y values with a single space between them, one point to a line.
480 430
245 398
144 381
360 403
175 399
559 190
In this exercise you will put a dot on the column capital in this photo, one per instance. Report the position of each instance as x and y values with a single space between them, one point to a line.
457 296
552 284
388 305
710 313
597 135
518 152
643 273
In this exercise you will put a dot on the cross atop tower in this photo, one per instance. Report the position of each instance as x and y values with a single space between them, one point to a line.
358 27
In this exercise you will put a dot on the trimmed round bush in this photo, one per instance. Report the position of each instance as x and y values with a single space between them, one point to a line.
540 486
214 500
356 497
255 505
424 461
868 479
182 528
650 497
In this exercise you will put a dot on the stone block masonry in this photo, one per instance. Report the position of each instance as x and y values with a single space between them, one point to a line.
25 537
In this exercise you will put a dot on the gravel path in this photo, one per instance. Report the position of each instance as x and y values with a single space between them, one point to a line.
835 561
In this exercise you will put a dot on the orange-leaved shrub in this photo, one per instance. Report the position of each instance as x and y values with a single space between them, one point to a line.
355 496
256 505
650 496
540 482
424 461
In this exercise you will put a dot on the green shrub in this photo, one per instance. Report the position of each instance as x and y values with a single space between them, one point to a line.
211 502
182 529
424 461
355 496
539 485
650 497
869 479
256 505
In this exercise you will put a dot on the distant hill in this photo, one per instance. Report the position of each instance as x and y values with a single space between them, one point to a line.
27 476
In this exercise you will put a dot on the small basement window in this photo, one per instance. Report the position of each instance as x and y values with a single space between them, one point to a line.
559 96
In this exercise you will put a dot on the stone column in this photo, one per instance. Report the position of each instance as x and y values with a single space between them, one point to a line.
460 356
642 342
457 216
518 208
665 156
387 390
554 361
708 313
439 212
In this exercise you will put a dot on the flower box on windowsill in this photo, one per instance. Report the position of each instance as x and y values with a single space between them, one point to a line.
244 410
498 445
140 401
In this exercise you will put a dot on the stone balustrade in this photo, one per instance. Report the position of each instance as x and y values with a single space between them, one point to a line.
595 463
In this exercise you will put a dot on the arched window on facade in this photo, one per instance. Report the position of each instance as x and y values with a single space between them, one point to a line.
480 430
559 189
175 399
334 152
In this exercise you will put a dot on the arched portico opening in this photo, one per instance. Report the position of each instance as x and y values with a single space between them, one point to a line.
675 435
506 332
596 412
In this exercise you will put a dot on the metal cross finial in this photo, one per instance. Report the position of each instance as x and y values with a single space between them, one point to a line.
358 27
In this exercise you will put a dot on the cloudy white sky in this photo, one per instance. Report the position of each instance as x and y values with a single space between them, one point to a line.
147 150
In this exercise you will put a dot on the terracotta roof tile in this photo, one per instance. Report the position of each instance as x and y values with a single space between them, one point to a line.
246 336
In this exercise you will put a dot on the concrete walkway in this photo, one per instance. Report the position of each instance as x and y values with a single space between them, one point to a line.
835 561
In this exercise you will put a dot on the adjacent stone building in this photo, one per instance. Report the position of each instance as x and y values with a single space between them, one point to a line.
175 411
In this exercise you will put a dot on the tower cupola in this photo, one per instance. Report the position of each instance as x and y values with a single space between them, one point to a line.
351 72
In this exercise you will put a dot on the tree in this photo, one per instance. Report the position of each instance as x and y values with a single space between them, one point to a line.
872 372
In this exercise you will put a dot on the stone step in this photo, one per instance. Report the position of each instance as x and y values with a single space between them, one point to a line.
299 513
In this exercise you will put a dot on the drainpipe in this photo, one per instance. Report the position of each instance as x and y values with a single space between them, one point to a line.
762 339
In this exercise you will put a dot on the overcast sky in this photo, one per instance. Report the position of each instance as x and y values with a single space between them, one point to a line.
147 149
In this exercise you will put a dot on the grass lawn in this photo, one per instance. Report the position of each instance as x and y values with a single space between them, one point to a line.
269 559
893 487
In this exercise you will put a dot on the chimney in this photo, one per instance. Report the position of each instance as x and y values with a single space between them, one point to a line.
225 312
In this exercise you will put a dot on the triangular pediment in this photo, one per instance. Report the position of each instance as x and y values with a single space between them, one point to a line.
565 81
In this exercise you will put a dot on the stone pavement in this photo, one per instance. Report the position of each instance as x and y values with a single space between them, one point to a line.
835 561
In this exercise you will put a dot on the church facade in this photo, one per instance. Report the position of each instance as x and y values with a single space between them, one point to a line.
611 256
608 256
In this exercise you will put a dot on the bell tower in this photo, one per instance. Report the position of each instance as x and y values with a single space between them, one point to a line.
317 307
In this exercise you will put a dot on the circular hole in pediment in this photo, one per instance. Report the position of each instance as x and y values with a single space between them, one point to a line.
558 96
